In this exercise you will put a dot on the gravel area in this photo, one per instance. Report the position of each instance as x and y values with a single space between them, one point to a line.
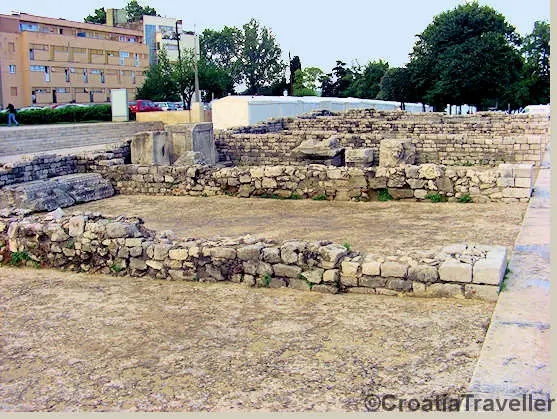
77 342
376 227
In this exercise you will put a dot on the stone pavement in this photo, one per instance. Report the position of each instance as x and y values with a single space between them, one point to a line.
516 352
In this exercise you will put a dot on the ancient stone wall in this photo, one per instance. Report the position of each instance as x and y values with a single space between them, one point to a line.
44 166
507 183
485 138
93 243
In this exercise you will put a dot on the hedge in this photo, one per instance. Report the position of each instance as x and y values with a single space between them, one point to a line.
67 114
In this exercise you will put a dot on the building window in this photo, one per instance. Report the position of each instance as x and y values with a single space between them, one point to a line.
123 54
66 75
37 68
62 90
81 34
133 77
13 91
11 46
12 68
32 27
102 77
60 31
84 75
46 74
31 54
137 60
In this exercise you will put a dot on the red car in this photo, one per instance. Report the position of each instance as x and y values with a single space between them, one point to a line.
142 106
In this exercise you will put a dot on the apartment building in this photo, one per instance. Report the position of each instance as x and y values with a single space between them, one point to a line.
47 60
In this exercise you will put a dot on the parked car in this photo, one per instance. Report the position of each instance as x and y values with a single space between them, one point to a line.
179 106
142 105
32 108
69 105
167 106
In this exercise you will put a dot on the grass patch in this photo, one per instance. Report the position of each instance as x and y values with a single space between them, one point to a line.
383 195
18 258
435 197
347 246
464 199
505 283
116 268
321 197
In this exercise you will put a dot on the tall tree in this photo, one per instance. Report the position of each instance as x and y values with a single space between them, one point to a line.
305 81
337 83
222 49
536 70
466 55
396 85
98 16
295 65
160 83
135 11
260 57
366 82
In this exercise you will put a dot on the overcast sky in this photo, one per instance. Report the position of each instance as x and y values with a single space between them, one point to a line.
319 31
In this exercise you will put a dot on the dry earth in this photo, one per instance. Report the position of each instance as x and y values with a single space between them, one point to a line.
378 227
77 342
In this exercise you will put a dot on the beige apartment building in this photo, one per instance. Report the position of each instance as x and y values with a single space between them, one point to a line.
48 60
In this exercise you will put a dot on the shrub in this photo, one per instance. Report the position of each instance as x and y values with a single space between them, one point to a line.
435 197
347 246
266 280
384 195
67 114
321 197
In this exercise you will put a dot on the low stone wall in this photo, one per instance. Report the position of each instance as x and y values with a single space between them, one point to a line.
92 243
480 139
44 166
507 183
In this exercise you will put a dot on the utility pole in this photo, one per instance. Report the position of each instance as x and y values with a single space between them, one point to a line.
180 66
197 98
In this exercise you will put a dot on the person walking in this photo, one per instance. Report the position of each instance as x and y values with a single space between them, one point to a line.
11 115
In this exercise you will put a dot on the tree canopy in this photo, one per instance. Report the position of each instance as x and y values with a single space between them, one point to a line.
466 55
133 10
536 69
98 16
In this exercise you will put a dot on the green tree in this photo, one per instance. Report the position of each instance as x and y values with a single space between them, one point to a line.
337 83
466 55
366 83
99 16
160 83
214 81
536 70
295 65
396 86
260 58
222 49
135 11
306 81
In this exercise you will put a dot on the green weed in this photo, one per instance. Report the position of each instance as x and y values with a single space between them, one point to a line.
384 195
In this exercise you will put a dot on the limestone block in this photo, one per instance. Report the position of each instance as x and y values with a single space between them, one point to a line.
326 148
416 183
150 148
348 281
271 255
299 284
360 290
155 264
399 284
77 225
288 271
264 268
133 242
325 289
118 229
451 271
394 269
505 181
189 158
251 252
482 292
160 251
331 255
358 157
138 264
516 193
278 283
372 268
445 290
522 182
372 281
222 253
180 275
349 268
423 273
314 276
505 170
401 193
394 152
430 171
331 275
523 170
178 254
420 193
377 182
491 270
418 288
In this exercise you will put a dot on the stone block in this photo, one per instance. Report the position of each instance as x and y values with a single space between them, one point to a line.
150 148
394 269
394 152
160 251
180 275
420 193
358 157
348 281
423 273
314 276
325 289
222 253
372 282
278 283
331 255
178 254
299 284
398 284
155 264
371 268
455 272
271 255
523 182
133 242
264 268
516 193
288 271
523 170
331 276
76 225
401 193
119 230
505 182
138 264
430 171
418 288
445 290
482 292
250 252
490 271
349 268
360 290
505 170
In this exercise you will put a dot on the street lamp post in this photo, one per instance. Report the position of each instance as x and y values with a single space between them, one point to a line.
180 66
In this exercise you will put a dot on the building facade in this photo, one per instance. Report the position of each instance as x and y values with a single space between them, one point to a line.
48 60
159 32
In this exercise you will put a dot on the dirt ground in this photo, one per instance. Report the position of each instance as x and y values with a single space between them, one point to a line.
77 342
378 227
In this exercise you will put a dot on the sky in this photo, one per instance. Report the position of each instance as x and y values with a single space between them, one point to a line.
318 31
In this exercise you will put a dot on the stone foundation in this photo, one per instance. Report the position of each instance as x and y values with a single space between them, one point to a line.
93 243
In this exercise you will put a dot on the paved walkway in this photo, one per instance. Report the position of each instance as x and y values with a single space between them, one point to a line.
515 355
